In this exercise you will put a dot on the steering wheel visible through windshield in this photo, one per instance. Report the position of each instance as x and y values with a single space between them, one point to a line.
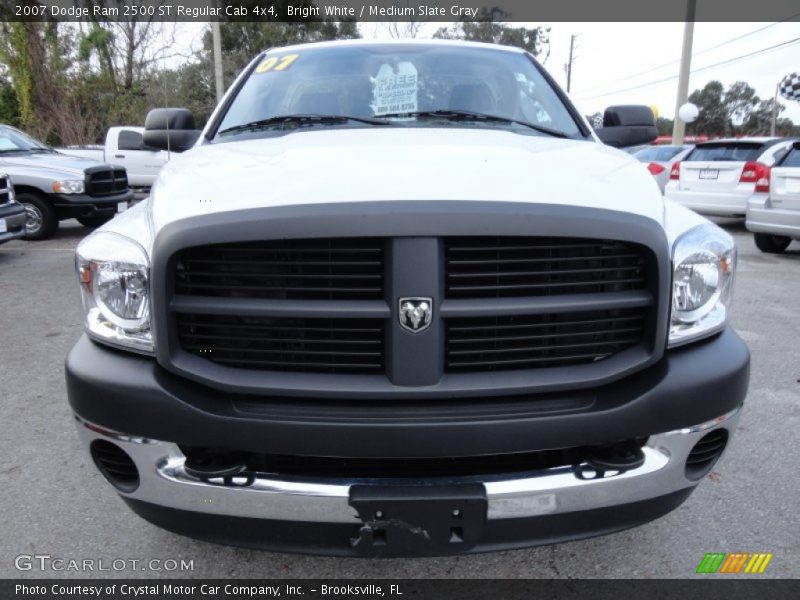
424 85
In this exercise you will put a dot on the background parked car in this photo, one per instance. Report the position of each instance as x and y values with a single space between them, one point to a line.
775 219
719 177
53 187
12 213
660 160
124 146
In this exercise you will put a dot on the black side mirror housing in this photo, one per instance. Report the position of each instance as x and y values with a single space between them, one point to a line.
170 129
627 126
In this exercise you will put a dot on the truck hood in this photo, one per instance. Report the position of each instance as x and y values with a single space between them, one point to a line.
57 165
371 164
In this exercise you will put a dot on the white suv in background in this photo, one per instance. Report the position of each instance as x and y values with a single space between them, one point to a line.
719 177
775 219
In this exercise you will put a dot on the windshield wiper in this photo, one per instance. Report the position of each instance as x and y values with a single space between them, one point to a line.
301 119
468 115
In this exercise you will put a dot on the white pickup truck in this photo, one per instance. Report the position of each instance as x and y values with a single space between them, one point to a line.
398 299
124 146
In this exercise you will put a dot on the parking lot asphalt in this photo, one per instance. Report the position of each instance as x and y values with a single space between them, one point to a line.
55 503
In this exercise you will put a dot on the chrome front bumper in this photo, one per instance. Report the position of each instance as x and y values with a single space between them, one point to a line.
164 482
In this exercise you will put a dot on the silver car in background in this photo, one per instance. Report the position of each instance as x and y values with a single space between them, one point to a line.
720 177
775 219
660 159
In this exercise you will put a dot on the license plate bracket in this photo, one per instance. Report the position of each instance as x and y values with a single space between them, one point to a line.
709 174
418 520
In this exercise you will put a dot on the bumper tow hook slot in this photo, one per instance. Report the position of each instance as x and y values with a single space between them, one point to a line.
619 457
207 466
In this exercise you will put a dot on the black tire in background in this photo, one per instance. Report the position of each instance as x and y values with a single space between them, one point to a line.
773 244
92 222
41 221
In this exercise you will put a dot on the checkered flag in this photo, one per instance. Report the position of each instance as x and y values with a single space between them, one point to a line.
790 87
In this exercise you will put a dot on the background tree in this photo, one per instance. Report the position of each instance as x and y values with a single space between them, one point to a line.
740 100
489 28
9 107
713 118
664 126
241 41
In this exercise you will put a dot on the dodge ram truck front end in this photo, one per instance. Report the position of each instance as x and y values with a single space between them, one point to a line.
490 333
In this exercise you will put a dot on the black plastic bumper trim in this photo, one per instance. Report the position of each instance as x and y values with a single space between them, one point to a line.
335 538
132 394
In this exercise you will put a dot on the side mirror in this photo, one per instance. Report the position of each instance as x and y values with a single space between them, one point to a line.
627 126
170 129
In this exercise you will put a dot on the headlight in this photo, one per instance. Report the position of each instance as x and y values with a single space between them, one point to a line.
113 272
68 187
704 262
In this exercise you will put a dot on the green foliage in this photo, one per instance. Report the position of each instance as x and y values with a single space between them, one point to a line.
713 119
736 111
488 28
97 40
740 100
664 126
9 106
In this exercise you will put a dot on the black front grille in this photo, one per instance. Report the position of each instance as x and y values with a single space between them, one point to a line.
499 267
4 195
318 269
329 305
539 341
107 182
285 344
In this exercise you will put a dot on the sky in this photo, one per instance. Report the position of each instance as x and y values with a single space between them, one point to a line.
616 62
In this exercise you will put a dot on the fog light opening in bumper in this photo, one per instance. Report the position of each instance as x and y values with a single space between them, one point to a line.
705 453
115 465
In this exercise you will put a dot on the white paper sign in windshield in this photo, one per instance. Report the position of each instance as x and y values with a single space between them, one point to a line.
394 92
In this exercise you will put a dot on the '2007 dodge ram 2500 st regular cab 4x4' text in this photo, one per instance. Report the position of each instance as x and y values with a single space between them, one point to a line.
399 299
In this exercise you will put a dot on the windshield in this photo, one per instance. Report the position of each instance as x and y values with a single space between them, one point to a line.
396 83
13 140
657 153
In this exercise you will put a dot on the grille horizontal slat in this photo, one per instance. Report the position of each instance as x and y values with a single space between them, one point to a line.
540 286
535 274
472 344
333 269
501 267
523 338
517 327
522 260
285 344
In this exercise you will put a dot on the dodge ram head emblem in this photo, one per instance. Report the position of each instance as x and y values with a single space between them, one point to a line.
416 313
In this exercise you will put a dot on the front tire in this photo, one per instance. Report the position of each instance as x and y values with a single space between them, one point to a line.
772 244
92 222
41 221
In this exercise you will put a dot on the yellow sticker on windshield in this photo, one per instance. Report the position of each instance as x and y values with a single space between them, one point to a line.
276 63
